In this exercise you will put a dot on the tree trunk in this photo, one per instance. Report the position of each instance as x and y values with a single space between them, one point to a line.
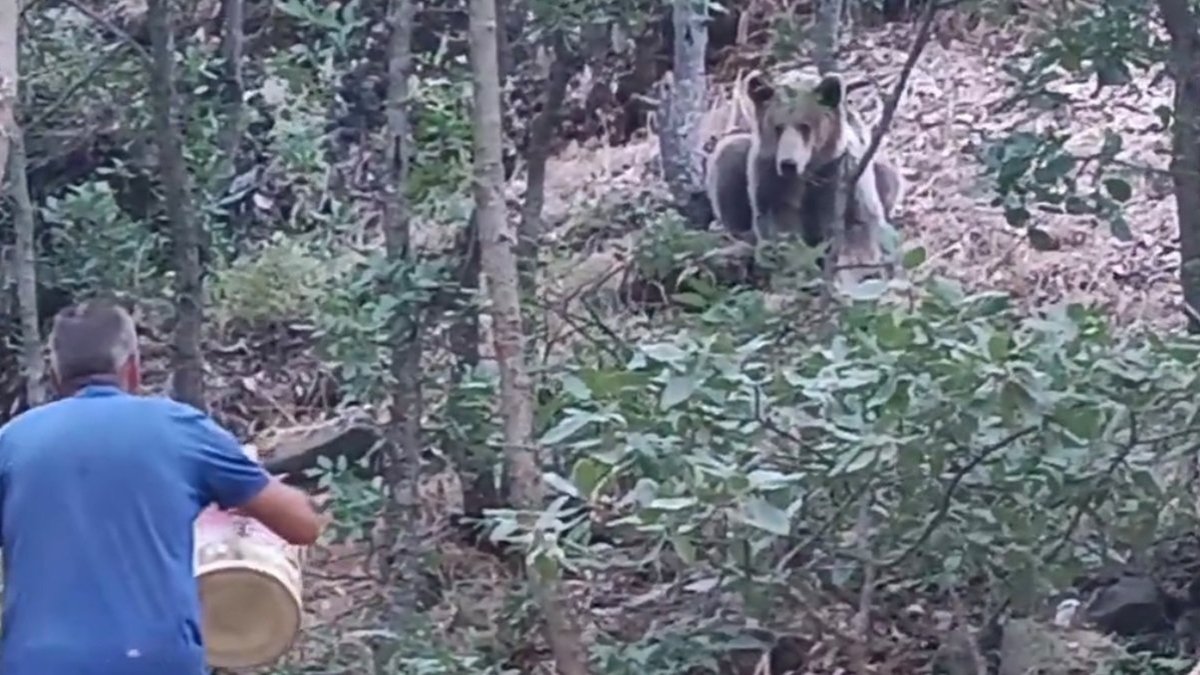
827 31
541 134
187 365
464 326
233 40
684 103
26 263
404 428
500 265
10 22
12 158
1182 25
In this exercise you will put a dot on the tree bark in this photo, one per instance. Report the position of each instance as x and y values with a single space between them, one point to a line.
828 30
187 365
684 104
541 134
500 265
404 428
464 327
32 363
233 40
10 21
12 158
1182 26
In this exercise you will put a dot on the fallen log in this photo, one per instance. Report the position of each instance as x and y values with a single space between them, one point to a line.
293 452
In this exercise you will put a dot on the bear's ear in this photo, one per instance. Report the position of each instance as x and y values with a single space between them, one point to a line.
759 90
829 91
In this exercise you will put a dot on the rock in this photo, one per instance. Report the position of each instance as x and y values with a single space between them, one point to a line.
1132 605
1031 647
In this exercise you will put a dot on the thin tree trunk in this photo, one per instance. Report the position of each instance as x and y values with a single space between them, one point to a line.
12 158
1184 29
10 20
233 40
684 105
404 428
187 365
500 265
464 328
541 134
826 34
26 263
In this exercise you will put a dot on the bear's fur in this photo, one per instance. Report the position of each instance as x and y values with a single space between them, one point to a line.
773 179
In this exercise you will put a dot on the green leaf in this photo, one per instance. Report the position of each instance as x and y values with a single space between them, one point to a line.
678 389
913 258
999 346
561 484
703 585
588 475
758 512
664 352
1118 189
691 300
870 289
577 420
1084 422
767 479
1119 227
671 503
1041 240
576 387
946 290
1016 216
684 548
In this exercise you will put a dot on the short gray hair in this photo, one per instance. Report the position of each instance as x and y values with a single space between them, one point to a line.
94 337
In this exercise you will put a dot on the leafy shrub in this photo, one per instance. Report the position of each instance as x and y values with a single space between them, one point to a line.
936 436
282 281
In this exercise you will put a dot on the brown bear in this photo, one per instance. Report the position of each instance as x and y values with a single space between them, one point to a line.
773 179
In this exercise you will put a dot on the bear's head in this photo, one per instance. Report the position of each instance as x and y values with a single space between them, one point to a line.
800 125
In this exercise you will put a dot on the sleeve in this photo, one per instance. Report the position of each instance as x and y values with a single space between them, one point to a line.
226 475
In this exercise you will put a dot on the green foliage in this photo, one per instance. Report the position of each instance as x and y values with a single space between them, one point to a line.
668 652
986 444
97 247
1108 41
355 501
1035 171
1148 664
357 317
442 140
335 22
282 281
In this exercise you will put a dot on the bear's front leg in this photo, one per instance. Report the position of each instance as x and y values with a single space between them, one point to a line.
766 196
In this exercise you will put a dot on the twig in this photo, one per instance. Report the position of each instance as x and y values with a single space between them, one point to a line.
71 89
110 27
862 620
948 495
893 101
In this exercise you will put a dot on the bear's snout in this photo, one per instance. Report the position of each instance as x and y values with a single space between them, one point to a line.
788 167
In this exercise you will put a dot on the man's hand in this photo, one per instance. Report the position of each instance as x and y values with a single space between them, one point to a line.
286 511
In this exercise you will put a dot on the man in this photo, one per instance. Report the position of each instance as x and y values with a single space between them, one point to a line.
98 494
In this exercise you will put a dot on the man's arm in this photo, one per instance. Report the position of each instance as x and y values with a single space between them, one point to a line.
234 481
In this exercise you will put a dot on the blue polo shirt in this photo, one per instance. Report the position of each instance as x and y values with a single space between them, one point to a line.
98 494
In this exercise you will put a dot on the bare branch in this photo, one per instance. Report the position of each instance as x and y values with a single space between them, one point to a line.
889 107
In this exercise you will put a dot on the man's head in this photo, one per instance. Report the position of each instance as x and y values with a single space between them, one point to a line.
94 339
